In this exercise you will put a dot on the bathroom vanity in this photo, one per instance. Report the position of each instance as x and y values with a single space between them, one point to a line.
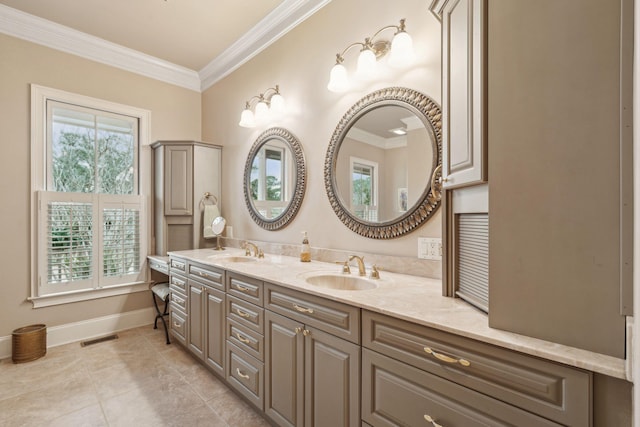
310 346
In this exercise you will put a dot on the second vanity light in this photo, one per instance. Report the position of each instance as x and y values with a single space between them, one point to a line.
400 55
269 106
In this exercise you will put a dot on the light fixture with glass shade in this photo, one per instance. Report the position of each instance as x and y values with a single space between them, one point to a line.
270 105
400 51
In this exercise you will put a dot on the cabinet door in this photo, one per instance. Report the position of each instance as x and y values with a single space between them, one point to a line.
178 180
332 380
284 374
195 333
215 333
463 93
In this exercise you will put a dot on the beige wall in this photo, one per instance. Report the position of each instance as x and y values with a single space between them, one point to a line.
175 114
300 63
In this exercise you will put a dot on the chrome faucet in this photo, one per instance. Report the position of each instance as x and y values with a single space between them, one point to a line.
247 249
361 269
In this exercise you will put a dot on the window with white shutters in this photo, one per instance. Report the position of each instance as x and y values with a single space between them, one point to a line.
90 217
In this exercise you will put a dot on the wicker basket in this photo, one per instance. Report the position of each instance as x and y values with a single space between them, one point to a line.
28 343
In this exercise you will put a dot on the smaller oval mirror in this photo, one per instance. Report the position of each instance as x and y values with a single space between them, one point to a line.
274 178
217 225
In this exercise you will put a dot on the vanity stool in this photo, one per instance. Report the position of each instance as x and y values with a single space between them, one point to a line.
161 290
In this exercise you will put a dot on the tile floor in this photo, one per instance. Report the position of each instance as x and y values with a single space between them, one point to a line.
136 380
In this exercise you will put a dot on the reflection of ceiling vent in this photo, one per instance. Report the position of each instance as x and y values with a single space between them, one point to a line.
472 259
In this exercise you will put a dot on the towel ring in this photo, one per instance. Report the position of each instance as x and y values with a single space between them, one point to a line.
208 197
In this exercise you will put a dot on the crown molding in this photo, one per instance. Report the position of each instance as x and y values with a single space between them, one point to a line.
281 20
28 27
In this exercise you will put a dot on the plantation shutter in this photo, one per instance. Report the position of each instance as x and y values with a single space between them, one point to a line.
472 246
88 241
120 226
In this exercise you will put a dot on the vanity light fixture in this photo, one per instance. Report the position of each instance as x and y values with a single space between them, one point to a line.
400 51
269 106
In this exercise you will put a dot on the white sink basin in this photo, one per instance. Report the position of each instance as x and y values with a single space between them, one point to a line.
341 282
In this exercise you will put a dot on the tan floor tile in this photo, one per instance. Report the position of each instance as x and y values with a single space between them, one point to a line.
154 404
90 416
203 382
41 406
136 380
17 379
235 411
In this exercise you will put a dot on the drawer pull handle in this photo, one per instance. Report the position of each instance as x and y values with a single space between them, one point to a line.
242 339
431 420
177 325
302 309
242 313
203 274
447 359
178 301
241 375
242 288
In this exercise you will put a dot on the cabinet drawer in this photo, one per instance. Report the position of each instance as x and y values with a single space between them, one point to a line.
246 314
245 339
178 326
177 283
396 394
555 391
178 265
162 267
178 301
245 374
208 275
335 318
247 288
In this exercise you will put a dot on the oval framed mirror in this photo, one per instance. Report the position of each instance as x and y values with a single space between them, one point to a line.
275 178
382 168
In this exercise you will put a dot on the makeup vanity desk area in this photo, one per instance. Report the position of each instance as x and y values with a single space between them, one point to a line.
402 339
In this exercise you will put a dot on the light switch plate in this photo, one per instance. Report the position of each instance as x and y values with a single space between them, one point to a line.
429 248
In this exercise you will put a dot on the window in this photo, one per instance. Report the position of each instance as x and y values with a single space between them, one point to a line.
269 174
364 189
90 233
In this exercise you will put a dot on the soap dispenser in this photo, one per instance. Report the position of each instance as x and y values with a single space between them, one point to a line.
305 251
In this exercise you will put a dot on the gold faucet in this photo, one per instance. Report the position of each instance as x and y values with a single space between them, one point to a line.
256 250
361 269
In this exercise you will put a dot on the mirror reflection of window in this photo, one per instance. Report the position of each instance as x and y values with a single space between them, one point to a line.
364 189
269 180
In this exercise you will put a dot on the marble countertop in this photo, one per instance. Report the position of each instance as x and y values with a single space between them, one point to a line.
416 299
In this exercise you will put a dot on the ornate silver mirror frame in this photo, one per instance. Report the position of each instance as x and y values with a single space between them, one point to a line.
430 114
298 182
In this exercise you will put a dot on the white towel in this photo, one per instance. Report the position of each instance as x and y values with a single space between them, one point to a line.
211 212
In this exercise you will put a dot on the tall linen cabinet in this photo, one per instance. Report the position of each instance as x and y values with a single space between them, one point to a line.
185 172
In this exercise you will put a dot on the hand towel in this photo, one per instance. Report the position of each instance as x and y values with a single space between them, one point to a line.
211 212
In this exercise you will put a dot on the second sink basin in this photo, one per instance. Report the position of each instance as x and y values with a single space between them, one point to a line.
341 282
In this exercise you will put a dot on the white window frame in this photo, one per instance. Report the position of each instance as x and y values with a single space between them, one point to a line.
40 95
374 196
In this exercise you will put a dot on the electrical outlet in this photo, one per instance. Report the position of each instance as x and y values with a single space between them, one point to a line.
429 248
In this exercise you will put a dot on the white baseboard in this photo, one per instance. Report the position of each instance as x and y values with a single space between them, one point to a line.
86 329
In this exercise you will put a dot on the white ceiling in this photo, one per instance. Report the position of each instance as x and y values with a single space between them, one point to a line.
205 39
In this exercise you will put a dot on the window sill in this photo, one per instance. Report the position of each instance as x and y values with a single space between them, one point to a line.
86 295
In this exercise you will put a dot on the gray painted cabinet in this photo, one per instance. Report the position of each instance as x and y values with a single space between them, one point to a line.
464 150
198 310
312 378
559 89
179 196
